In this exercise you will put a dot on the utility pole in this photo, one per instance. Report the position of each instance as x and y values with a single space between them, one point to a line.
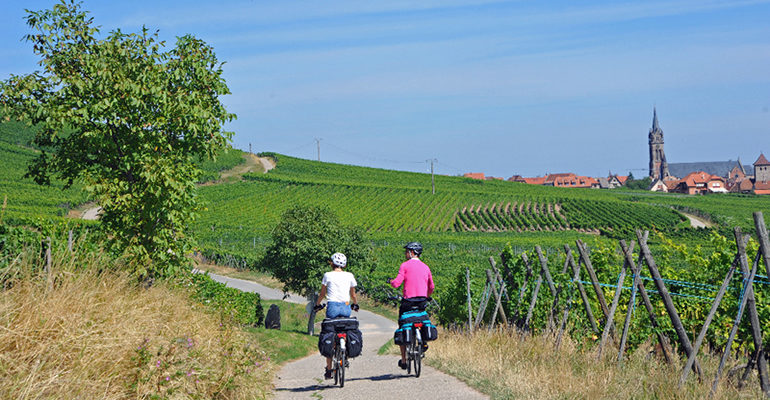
318 144
250 149
432 179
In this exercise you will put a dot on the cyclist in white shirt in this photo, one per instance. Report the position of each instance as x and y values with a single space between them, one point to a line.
338 286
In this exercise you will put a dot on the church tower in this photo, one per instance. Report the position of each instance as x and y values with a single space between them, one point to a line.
658 164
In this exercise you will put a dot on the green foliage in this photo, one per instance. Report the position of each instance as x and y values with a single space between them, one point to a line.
127 119
243 308
303 242
24 200
638 184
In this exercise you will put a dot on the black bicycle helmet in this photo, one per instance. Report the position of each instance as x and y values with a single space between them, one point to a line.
416 247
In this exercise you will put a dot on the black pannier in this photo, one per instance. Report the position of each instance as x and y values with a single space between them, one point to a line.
326 343
355 343
402 336
328 336
429 332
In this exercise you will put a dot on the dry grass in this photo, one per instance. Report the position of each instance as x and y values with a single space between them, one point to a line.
506 367
95 335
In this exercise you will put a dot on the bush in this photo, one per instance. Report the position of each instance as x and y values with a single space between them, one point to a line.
243 308
304 240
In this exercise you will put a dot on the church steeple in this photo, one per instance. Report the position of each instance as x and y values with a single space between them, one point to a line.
658 163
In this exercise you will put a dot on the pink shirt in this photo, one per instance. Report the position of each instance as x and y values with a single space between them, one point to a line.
417 279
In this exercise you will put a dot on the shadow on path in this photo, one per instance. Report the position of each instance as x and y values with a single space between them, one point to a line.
317 387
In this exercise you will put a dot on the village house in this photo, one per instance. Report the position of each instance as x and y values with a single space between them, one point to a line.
474 175
700 182
757 184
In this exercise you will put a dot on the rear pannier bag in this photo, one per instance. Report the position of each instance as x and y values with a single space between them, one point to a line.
403 335
326 343
428 332
355 343
339 324
328 336
411 317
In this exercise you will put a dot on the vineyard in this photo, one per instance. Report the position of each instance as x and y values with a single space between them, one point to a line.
23 199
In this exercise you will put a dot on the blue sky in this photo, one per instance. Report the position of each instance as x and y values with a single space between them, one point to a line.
500 87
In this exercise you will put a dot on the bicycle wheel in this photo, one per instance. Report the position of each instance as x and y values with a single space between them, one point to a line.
336 365
341 366
418 357
409 347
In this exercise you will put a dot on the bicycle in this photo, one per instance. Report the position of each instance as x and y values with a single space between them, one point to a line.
415 345
340 353
340 358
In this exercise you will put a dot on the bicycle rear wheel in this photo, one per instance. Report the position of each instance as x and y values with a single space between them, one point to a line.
417 356
409 347
341 366
336 365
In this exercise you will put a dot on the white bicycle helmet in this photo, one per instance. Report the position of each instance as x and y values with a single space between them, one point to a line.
339 260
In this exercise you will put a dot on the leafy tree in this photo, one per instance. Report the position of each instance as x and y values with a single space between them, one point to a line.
641 184
303 241
127 118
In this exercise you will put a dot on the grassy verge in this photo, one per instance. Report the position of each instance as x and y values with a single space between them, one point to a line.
291 341
82 334
503 366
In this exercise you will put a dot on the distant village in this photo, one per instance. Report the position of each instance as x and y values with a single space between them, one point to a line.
689 178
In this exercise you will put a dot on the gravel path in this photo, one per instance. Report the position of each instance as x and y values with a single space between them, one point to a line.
369 377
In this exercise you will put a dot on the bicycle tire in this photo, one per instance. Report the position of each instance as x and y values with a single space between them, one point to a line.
336 365
417 352
343 358
409 347
418 359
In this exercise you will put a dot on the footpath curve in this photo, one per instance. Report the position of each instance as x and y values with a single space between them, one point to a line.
370 376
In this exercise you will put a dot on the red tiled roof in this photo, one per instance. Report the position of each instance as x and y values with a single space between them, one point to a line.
516 178
694 178
474 175
670 184
761 160
493 178
767 191
622 178
535 181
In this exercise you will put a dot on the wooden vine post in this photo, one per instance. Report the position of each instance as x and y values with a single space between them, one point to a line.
748 282
583 295
684 340
756 330
714 306
498 298
615 299
533 299
628 254
547 274
592 275
575 281
483 305
470 312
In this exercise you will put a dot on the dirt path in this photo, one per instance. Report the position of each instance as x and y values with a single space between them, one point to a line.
696 222
370 376
91 214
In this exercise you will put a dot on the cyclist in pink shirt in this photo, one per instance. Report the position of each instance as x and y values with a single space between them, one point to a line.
418 285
